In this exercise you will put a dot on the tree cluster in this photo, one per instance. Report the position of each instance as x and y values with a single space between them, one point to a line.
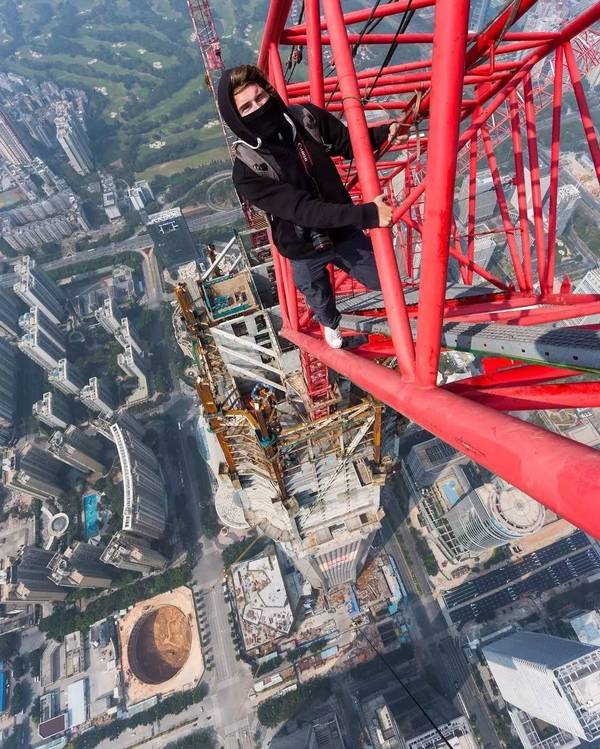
198 740
429 560
175 704
276 710
65 620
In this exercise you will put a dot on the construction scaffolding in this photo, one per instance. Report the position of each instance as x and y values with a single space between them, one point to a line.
309 482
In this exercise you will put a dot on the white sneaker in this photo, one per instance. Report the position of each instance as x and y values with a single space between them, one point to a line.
333 337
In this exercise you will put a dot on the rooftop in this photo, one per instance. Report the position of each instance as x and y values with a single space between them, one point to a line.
552 651
262 600
587 627
77 702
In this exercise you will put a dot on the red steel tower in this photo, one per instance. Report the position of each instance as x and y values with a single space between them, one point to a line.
450 92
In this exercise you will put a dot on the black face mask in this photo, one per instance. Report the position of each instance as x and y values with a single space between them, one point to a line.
267 120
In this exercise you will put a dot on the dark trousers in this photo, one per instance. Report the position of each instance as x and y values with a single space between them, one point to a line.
354 255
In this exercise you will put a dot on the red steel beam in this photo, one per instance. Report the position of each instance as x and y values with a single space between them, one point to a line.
521 374
517 142
554 156
450 32
538 397
559 473
385 257
588 125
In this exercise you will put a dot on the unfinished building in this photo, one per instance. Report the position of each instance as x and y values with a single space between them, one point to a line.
300 454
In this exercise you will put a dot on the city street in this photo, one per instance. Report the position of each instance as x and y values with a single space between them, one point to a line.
133 244
434 646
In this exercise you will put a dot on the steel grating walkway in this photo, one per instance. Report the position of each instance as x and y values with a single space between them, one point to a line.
572 347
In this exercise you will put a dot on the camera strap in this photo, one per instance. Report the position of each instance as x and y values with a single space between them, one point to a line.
306 161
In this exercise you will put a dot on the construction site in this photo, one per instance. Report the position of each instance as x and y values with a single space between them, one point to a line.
300 453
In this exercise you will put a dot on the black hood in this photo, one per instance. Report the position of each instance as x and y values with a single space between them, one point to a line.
229 111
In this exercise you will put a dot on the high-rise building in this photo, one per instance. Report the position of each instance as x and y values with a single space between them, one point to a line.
37 289
66 378
127 335
478 15
129 552
73 139
144 501
80 567
54 410
550 678
77 449
107 316
30 469
98 396
535 734
8 383
493 515
172 237
41 347
12 148
466 509
131 363
456 732
427 460
136 198
35 318
30 575
310 484
567 199
9 315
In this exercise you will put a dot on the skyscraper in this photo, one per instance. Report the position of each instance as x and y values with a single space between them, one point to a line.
550 678
66 378
311 484
8 384
53 409
37 289
30 574
35 318
11 146
466 509
127 335
80 567
40 345
9 315
77 449
144 490
131 363
493 515
73 139
129 552
30 469
97 396
107 316
172 237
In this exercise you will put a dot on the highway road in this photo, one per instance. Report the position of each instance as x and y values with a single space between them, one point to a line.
141 243
230 680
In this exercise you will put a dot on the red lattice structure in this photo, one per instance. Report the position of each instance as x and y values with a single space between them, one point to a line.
463 95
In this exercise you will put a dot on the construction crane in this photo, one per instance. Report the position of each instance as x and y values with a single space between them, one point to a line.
447 101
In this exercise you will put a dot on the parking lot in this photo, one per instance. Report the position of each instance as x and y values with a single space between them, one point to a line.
534 574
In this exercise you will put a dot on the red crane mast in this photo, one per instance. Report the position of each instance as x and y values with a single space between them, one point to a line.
447 101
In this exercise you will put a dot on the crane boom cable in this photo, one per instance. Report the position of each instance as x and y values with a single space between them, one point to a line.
424 712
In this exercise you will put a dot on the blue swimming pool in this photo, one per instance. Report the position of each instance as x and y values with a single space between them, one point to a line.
90 513
451 489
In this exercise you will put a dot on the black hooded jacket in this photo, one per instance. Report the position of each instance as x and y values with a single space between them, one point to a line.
294 201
